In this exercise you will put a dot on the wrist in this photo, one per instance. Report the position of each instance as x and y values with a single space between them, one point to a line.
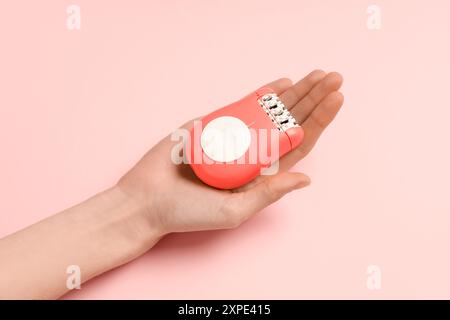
131 221
115 231
97 235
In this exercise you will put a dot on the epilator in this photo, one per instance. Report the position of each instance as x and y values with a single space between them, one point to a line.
230 146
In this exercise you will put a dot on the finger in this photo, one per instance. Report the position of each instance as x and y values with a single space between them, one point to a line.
267 192
303 108
258 179
280 85
313 127
296 92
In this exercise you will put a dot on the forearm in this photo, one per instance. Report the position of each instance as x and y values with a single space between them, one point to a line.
97 235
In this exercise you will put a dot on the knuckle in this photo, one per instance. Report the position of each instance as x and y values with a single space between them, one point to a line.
270 192
319 120
234 221
231 215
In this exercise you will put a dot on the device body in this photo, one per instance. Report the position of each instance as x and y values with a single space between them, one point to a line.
225 146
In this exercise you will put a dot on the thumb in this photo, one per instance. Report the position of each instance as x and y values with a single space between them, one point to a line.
272 189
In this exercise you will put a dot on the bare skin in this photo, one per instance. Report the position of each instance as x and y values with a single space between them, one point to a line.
155 198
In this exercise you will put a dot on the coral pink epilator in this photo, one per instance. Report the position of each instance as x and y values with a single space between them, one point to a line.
230 146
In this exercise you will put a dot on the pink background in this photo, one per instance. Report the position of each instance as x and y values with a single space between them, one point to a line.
78 108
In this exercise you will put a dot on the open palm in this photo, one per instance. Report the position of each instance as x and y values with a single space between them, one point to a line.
177 201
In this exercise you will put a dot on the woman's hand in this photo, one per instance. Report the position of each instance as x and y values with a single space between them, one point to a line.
175 200
155 198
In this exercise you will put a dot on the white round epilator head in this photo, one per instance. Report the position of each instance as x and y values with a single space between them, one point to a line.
225 139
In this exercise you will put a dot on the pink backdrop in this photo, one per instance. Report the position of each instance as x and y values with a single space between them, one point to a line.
78 108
